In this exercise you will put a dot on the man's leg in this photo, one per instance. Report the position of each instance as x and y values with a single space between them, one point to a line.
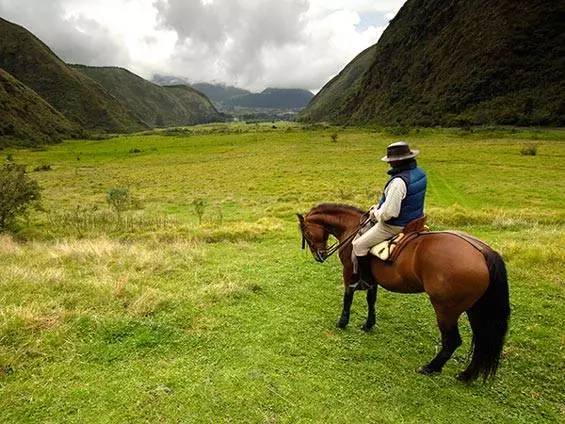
361 246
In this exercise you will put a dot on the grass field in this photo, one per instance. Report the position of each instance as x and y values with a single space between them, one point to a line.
160 318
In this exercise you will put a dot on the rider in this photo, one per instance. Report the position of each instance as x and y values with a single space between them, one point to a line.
402 201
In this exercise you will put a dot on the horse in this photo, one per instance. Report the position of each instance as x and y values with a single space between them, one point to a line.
457 277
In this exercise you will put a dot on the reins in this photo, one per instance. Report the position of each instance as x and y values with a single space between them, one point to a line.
338 245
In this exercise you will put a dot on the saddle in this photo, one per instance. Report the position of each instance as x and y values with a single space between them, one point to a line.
390 249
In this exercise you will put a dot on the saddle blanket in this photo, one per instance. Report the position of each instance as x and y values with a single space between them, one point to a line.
384 249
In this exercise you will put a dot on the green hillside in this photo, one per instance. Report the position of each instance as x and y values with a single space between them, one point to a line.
76 96
27 119
153 104
457 62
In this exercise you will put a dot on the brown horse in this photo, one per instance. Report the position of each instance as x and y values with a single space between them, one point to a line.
456 276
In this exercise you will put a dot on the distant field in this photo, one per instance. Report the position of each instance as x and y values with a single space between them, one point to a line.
160 318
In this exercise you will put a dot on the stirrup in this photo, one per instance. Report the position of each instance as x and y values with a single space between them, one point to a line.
363 283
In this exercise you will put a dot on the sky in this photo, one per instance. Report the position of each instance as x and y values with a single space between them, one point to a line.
251 44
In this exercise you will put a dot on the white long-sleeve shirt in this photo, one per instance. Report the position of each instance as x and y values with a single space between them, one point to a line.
395 192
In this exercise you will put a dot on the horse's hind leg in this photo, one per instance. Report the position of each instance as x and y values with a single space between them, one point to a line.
371 300
450 341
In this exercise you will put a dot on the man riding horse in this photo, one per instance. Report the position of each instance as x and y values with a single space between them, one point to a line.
459 273
402 201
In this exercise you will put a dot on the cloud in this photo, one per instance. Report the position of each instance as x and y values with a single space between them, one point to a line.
75 38
282 43
250 43
233 36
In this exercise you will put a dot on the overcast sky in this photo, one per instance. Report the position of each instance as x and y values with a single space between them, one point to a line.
249 43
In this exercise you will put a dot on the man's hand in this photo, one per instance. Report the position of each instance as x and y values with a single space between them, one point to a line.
374 214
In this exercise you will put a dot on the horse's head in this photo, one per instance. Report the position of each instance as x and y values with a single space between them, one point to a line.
315 235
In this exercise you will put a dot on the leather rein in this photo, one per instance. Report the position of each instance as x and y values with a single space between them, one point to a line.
338 245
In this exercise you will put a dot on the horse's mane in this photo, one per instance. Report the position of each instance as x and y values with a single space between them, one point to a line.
332 207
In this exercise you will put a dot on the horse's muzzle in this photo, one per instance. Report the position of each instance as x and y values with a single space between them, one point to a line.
320 256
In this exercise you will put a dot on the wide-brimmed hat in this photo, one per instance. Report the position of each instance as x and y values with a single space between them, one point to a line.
399 151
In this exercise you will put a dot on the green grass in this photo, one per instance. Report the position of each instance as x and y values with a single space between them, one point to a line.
160 319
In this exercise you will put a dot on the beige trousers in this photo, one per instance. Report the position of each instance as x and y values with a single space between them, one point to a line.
377 233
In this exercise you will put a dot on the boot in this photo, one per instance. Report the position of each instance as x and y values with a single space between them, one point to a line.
364 275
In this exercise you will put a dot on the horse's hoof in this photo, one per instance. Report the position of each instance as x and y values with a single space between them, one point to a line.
367 327
464 377
427 370
341 324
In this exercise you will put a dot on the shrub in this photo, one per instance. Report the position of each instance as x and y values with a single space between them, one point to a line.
17 193
119 200
42 168
199 206
9 157
398 130
334 136
134 150
220 215
529 150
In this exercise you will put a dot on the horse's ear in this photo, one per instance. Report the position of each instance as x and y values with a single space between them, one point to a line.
300 218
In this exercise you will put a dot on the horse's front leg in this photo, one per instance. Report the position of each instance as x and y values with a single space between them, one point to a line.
347 300
371 300
348 291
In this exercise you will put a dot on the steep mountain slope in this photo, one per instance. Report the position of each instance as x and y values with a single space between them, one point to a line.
76 96
331 97
26 119
275 98
153 104
457 62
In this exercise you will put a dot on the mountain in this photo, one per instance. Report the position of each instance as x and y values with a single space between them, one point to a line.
219 92
160 79
330 99
153 104
232 99
77 97
456 62
273 98
27 119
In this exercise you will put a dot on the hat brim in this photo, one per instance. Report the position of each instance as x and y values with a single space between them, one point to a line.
412 154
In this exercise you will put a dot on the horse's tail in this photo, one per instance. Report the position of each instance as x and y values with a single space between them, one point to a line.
489 321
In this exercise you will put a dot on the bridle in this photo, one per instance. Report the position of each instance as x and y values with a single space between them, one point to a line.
323 255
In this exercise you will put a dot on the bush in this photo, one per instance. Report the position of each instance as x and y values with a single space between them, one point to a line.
199 206
134 150
17 193
119 200
334 136
42 168
529 150
398 130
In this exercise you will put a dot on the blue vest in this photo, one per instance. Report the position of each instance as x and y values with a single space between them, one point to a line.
412 206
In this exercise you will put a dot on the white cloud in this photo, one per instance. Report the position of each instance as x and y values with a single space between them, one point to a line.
250 43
